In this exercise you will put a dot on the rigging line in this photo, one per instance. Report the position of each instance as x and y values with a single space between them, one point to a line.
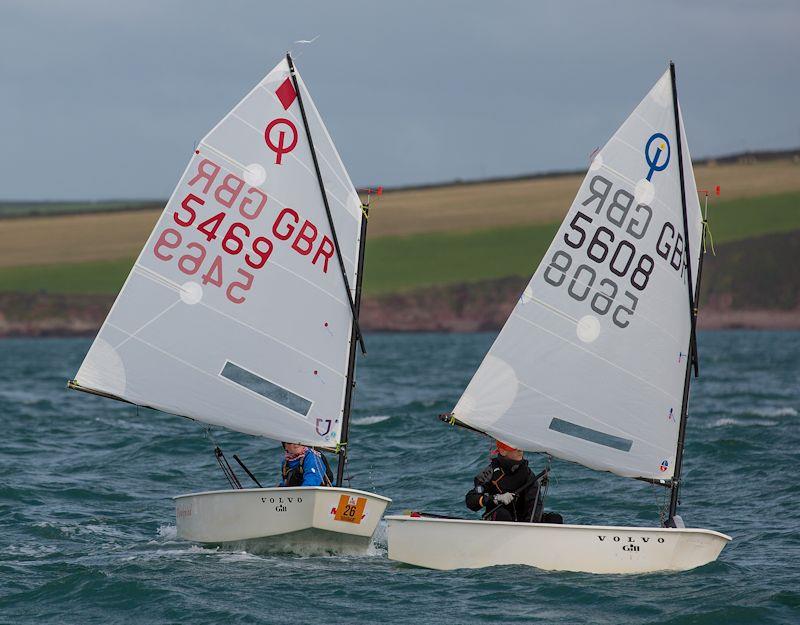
233 481
353 310
246 470
707 232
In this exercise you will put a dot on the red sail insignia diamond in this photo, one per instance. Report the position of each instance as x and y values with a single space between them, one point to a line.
286 93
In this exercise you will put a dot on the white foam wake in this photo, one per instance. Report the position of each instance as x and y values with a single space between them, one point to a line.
371 420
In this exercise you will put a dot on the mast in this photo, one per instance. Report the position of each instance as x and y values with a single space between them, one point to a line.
691 357
351 363
355 304
325 202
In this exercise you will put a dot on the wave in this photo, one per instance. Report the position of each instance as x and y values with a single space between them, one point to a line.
371 420
782 411
746 422
167 532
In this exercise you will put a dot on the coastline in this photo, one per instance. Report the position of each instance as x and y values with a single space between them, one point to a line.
478 307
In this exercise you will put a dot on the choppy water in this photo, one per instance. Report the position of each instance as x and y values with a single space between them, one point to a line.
87 530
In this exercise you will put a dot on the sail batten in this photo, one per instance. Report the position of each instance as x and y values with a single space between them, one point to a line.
590 364
235 312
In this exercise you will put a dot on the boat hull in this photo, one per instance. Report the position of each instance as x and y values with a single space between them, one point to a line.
447 544
321 514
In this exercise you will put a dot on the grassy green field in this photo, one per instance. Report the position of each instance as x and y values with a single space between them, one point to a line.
104 276
401 263
31 209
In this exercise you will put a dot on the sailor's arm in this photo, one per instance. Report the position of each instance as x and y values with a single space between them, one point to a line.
476 498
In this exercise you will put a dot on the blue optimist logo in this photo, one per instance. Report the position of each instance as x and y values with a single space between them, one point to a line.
657 148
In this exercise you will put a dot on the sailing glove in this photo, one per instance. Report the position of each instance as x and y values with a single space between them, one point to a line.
504 498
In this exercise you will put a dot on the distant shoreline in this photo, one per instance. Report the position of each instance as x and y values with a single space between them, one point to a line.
20 209
479 307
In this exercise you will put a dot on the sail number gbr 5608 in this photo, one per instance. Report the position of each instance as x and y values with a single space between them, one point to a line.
224 211
609 240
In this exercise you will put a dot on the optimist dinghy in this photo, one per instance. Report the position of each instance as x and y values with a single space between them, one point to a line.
242 312
595 361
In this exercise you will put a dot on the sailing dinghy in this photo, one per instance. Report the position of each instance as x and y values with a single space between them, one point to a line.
594 363
242 312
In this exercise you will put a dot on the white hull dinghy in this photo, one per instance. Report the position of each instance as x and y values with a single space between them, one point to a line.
594 363
242 312
446 544
343 517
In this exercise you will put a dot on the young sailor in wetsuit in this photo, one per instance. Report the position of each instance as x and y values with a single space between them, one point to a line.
508 490
304 466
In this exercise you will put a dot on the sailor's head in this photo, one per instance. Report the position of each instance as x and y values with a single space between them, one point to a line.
507 451
293 448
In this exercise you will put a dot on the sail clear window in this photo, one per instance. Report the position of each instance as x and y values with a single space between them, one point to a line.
588 434
266 388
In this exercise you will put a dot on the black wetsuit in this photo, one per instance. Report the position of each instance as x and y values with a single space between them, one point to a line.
506 476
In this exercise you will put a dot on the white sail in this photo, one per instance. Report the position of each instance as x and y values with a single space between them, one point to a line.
235 312
590 366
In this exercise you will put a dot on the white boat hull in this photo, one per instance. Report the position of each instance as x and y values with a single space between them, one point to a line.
329 517
447 544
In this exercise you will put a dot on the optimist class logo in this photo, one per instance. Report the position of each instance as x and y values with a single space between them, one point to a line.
653 154
280 148
276 131
664 465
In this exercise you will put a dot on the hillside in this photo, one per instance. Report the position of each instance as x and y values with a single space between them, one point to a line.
467 245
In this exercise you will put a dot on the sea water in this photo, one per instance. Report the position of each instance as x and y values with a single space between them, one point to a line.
87 528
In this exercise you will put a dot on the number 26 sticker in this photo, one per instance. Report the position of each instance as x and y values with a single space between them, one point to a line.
350 509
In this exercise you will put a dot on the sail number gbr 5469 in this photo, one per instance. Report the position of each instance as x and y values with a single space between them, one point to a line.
606 232
224 210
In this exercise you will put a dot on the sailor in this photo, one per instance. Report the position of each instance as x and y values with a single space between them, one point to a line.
304 466
508 489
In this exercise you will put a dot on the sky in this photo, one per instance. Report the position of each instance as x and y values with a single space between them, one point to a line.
104 99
